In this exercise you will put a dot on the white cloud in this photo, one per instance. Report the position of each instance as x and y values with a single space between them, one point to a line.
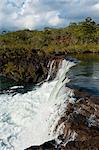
53 18
96 6
32 14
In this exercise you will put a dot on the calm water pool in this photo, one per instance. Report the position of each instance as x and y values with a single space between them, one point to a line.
85 75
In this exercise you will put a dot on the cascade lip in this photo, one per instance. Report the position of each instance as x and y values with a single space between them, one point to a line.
71 59
22 88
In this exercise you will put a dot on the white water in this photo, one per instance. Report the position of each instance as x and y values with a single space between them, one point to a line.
30 119
51 69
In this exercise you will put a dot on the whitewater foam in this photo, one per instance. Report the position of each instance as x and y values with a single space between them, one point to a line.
31 118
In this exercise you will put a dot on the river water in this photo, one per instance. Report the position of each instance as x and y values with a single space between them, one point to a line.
30 117
85 75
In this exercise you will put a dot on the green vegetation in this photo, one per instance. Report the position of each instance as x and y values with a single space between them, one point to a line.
23 53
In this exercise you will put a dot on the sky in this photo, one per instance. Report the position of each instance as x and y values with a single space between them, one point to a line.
37 14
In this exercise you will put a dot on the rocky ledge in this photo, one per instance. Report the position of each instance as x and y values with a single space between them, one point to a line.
81 126
26 66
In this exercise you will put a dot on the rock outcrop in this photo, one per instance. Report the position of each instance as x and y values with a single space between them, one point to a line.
31 68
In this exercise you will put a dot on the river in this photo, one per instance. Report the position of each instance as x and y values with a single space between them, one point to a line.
85 75
29 117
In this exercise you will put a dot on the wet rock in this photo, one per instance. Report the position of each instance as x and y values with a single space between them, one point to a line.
82 145
46 146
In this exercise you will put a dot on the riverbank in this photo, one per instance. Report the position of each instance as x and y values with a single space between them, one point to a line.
81 125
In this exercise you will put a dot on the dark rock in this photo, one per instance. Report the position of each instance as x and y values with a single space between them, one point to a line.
46 146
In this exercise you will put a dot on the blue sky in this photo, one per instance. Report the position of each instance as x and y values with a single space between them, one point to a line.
34 14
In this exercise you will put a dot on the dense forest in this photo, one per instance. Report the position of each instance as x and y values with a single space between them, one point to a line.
22 52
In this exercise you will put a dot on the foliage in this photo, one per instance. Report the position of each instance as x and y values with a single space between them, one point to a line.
88 30
21 50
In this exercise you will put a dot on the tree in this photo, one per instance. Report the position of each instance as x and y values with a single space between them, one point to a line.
88 29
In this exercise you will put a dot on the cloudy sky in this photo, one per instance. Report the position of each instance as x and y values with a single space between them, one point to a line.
36 14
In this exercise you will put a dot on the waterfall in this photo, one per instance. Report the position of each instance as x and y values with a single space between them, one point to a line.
51 69
31 118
